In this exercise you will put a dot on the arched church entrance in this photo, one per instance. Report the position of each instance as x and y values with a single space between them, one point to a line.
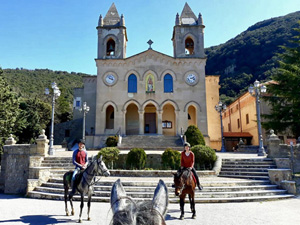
110 117
150 124
132 119
168 120
192 115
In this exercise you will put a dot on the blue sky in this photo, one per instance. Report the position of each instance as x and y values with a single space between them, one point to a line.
62 35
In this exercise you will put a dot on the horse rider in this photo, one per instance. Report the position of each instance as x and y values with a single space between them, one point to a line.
187 161
80 160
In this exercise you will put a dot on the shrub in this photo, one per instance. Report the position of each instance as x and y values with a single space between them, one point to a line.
109 154
136 159
194 136
171 159
205 157
112 141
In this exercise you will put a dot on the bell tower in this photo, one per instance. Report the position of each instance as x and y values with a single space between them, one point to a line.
188 35
112 36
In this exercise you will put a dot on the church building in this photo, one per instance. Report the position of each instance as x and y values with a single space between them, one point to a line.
150 93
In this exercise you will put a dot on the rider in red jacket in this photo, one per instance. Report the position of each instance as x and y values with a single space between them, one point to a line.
188 160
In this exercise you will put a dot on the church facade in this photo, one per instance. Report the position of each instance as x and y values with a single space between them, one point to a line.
150 92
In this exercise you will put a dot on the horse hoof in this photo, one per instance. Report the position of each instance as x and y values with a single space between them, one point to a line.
67 214
79 221
181 218
89 219
72 213
194 217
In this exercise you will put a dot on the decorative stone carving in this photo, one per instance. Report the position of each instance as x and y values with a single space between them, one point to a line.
10 140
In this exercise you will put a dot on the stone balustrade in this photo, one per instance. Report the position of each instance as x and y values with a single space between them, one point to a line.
287 159
20 165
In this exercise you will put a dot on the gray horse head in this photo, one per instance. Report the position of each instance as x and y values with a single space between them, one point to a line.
101 167
127 212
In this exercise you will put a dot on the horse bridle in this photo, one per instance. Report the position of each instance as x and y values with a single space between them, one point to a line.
180 187
95 181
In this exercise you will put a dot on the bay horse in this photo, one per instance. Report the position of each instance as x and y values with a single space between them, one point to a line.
128 212
84 184
185 185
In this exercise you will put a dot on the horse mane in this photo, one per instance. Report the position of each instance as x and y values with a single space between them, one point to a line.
142 212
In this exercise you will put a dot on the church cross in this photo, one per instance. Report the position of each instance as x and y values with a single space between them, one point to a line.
150 42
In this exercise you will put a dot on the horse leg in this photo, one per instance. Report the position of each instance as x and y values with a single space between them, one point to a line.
182 208
81 206
89 203
66 187
71 202
192 202
190 199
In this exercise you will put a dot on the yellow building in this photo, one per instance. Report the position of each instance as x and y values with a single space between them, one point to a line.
240 121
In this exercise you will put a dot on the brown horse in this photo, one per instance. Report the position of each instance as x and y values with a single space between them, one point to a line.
185 184
84 184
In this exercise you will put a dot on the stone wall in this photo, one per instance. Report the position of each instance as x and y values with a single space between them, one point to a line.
17 162
277 150
287 159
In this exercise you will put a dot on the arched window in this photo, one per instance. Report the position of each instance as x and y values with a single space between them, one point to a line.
189 46
110 47
168 83
132 84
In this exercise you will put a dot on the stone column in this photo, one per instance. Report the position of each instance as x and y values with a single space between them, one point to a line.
159 121
42 144
178 128
141 121
273 146
123 128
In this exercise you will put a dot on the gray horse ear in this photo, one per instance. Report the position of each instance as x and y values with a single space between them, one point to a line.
117 197
161 198
100 158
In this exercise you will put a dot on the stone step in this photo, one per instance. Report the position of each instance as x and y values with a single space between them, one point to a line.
248 166
230 169
152 188
215 183
54 196
239 172
245 177
137 173
249 163
247 159
198 194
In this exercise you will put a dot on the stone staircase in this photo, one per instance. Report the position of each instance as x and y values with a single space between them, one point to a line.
216 189
256 168
151 142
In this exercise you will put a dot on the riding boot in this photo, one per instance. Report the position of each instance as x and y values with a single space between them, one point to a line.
72 193
197 179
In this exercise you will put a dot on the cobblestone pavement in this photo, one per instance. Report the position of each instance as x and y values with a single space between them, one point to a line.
18 210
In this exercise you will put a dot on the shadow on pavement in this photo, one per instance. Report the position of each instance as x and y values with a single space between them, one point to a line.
37 220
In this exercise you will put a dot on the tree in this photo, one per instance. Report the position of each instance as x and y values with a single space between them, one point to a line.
194 136
284 92
37 115
11 118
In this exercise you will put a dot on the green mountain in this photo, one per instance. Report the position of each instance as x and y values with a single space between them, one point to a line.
251 55
32 83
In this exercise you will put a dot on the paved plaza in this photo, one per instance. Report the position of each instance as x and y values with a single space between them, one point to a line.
20 210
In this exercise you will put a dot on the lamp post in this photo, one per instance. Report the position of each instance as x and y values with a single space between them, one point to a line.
220 108
256 91
55 95
85 110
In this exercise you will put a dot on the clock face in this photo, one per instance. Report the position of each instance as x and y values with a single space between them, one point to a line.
110 79
191 79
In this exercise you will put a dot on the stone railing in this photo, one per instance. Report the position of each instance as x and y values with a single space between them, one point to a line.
20 170
287 159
